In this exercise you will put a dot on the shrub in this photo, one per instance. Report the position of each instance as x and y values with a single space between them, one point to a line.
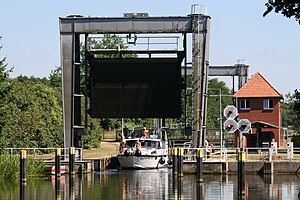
10 167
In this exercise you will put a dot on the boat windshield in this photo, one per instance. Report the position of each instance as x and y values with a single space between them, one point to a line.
144 143
150 144
151 133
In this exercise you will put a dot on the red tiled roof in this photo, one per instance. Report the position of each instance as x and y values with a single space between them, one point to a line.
257 86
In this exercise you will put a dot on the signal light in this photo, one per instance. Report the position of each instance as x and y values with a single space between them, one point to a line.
230 126
244 125
230 112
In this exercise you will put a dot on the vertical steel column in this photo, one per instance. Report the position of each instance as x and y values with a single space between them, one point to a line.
66 63
77 129
86 76
185 83
201 24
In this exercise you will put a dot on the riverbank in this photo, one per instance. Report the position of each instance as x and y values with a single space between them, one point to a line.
108 148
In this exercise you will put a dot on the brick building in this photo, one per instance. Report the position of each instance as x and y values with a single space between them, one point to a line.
259 102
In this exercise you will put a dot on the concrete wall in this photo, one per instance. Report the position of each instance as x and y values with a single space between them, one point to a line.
250 167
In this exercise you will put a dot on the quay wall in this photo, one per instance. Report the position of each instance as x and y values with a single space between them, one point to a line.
250 167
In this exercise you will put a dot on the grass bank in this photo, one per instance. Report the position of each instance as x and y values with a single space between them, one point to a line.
10 167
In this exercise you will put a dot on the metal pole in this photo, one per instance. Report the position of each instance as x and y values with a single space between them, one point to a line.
185 83
199 165
180 162
72 161
85 86
57 162
175 161
221 131
23 166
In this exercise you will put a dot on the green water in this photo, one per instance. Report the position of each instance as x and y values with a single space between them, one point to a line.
150 184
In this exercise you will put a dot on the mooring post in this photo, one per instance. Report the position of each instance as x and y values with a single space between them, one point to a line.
23 191
180 162
23 166
57 162
199 165
57 189
241 157
174 160
72 160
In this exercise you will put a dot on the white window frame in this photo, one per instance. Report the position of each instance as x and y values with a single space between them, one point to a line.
244 104
268 104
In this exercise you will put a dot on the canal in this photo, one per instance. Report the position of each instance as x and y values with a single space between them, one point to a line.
151 184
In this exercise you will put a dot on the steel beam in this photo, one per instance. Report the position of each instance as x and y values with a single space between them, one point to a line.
126 25
239 70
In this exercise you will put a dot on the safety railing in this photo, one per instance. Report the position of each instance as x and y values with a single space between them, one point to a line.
252 154
43 153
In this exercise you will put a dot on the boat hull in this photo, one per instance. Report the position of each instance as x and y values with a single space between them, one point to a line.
142 161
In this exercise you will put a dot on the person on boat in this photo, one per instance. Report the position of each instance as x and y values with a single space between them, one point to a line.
138 145
122 143
125 132
145 132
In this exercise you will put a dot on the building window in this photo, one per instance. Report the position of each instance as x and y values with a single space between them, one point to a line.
268 104
245 104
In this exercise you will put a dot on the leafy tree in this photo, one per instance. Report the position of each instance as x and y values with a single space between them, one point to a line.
55 77
4 87
215 88
33 115
289 116
288 8
296 108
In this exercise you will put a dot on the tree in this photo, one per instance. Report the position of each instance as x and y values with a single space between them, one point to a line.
289 116
55 77
32 115
4 87
296 108
288 8
213 105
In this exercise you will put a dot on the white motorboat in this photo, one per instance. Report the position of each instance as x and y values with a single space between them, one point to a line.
144 150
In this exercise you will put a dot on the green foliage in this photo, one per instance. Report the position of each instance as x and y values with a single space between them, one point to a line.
213 104
10 167
296 109
291 111
288 113
55 77
215 89
93 137
33 115
287 8
296 140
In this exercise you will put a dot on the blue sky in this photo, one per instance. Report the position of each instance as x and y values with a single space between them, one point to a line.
270 45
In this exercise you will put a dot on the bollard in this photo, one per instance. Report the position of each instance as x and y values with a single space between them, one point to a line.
57 162
270 154
180 162
199 165
57 188
175 161
23 191
23 166
241 158
72 160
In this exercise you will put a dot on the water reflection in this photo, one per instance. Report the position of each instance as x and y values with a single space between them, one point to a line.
151 184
